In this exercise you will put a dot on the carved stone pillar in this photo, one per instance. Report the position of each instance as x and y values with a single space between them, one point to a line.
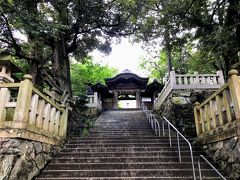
115 100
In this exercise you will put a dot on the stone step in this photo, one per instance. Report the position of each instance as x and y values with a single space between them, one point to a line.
129 140
102 135
122 159
120 138
104 128
107 129
90 145
124 154
126 149
126 173
126 178
142 165
123 146
124 132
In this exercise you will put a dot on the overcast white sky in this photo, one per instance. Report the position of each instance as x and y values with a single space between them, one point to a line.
123 56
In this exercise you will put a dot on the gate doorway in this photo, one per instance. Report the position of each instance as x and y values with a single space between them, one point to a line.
125 90
127 102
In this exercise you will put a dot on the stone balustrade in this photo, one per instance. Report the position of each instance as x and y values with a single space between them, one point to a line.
189 81
27 113
217 117
217 121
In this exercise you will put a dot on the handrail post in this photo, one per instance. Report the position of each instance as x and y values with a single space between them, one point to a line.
199 168
234 86
179 149
23 101
189 144
169 135
155 126
163 128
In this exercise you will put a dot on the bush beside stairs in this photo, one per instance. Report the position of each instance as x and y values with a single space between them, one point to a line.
122 145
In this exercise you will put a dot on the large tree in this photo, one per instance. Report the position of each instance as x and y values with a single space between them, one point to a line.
56 29
211 26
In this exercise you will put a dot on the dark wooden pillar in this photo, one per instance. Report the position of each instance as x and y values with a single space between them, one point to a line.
138 99
115 100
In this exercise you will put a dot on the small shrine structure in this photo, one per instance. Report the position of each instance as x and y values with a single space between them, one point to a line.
124 86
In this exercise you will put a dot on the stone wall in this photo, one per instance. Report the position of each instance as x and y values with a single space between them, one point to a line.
178 108
23 159
227 154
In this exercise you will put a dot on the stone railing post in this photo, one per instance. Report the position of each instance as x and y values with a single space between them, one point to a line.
5 96
23 101
197 79
63 123
173 78
197 117
234 86
221 78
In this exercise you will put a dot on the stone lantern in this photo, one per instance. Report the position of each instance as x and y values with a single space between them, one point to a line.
7 67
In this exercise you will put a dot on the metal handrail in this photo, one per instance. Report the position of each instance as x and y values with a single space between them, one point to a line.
152 121
199 167
151 118
179 149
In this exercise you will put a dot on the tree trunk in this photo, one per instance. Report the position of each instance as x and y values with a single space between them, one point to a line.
168 50
36 52
61 66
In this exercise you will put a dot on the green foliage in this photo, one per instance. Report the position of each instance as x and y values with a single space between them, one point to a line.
80 121
184 61
156 67
213 25
88 72
46 33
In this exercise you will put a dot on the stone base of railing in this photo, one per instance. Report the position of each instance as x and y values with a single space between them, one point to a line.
27 113
223 146
24 159
178 107
29 135
226 131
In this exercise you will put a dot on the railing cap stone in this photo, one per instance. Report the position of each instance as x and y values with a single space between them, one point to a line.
196 104
232 72
27 76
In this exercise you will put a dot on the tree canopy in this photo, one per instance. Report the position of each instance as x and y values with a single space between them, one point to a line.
89 72
211 27
47 32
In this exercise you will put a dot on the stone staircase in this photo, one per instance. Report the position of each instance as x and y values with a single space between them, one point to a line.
123 146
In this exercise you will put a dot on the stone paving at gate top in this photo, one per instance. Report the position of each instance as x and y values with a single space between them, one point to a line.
121 119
